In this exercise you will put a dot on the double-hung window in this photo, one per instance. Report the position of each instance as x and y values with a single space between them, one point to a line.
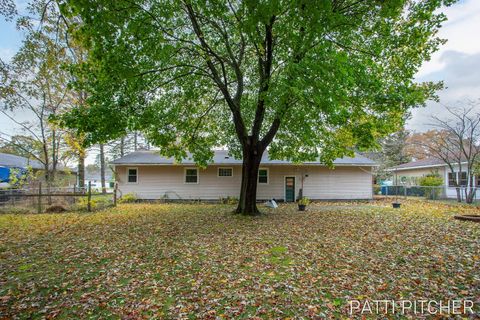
132 175
463 179
452 179
263 175
191 175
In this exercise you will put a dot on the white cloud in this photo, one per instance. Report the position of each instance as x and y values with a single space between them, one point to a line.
457 63
461 31
462 82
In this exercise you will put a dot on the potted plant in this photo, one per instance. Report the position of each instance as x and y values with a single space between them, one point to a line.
303 203
396 204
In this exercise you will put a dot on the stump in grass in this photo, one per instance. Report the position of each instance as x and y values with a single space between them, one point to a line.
468 217
55 209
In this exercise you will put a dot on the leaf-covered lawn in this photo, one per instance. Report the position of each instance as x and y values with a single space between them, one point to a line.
200 261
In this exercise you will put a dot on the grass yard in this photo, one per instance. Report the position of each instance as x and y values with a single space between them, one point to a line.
200 261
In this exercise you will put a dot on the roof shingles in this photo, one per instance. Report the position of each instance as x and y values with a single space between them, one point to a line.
145 157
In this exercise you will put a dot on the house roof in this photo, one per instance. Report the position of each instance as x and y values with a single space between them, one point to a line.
424 163
11 160
144 157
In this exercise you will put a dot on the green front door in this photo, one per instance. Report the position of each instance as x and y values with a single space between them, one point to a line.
289 189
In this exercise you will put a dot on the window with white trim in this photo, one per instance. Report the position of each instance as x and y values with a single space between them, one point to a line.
132 175
452 179
262 175
191 175
463 178
225 172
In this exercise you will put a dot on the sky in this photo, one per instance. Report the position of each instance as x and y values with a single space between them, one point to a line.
457 63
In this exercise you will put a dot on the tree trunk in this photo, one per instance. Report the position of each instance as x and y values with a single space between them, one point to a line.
470 195
102 169
459 194
81 172
247 203
48 179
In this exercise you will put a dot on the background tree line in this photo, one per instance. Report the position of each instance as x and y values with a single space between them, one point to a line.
35 85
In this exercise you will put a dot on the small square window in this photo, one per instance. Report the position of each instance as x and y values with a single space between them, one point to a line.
132 175
225 172
263 176
191 175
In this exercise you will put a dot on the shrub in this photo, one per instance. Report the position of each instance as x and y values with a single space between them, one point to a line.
377 189
229 200
82 203
304 201
96 203
128 198
55 209
431 182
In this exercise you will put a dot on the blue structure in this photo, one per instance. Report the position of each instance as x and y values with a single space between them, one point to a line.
384 187
4 174
9 162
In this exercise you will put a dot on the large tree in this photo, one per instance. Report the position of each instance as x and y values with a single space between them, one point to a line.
8 9
306 79
392 151
419 144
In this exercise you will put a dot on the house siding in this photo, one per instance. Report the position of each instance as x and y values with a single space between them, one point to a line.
413 175
156 182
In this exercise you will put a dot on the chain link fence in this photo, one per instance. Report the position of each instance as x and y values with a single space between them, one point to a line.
429 193
41 199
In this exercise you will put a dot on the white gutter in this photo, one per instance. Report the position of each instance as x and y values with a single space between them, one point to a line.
423 167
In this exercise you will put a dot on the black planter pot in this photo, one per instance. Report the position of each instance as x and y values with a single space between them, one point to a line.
301 207
396 205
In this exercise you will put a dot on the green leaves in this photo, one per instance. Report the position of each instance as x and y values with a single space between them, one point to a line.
8 9
330 71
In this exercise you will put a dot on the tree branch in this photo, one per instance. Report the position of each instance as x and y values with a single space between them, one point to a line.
265 73
235 109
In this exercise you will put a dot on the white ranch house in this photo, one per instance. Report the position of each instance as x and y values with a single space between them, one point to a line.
151 176
409 173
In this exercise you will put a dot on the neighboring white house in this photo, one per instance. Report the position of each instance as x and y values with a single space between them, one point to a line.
409 173
95 180
151 176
